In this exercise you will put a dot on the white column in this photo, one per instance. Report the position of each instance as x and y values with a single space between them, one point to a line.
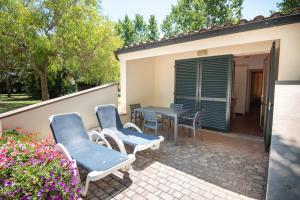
123 81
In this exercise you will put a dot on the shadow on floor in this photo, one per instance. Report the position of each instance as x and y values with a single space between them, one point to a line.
284 169
247 124
220 165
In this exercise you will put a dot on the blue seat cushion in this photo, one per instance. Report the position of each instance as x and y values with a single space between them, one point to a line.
134 138
94 157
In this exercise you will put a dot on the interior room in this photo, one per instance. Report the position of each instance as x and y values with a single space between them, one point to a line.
249 85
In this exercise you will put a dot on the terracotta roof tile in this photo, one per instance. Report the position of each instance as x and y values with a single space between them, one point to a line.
227 25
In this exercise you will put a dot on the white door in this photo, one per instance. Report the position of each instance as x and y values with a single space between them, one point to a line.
240 88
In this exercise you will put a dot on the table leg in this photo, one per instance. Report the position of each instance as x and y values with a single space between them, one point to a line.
175 130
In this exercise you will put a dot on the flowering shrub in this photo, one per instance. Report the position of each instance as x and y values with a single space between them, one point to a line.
33 170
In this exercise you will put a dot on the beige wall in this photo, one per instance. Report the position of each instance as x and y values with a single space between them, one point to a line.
140 82
34 118
162 59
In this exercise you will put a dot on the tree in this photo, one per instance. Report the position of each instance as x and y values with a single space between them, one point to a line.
140 29
152 33
287 5
59 35
137 31
126 30
190 15
11 22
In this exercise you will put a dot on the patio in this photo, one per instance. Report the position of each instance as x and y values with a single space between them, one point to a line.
221 167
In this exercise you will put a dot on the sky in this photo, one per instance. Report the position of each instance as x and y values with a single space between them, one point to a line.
117 9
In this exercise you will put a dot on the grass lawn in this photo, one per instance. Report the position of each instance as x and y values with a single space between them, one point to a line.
15 101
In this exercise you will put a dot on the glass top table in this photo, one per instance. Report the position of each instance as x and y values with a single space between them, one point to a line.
170 112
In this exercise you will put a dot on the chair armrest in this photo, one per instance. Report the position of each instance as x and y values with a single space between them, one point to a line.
132 125
62 149
107 132
96 136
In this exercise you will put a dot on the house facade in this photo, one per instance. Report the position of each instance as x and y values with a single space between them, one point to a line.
222 70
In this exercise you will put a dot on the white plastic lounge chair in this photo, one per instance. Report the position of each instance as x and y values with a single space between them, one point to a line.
110 124
77 145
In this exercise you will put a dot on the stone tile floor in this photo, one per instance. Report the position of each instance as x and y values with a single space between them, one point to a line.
221 167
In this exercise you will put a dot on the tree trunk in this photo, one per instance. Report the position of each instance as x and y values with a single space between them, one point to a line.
44 85
8 86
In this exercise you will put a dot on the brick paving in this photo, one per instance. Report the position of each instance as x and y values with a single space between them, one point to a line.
221 167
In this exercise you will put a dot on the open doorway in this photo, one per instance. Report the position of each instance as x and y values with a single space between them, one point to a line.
247 94
256 84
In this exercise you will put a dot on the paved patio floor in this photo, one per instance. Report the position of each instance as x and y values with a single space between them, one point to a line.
221 167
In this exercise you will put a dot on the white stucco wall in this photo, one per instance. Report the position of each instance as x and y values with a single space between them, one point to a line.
34 118
161 80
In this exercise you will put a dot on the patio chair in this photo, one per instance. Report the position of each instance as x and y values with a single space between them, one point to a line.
110 122
151 121
86 149
192 121
175 106
135 116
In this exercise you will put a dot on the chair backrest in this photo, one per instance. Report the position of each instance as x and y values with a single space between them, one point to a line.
108 116
68 128
176 106
134 106
149 116
197 119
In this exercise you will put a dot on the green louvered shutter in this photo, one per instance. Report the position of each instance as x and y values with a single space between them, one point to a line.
186 82
215 76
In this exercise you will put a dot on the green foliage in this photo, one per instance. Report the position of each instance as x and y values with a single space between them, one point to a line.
153 33
287 5
140 28
54 36
126 30
137 31
188 15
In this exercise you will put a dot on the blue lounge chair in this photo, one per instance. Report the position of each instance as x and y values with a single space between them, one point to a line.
111 125
78 145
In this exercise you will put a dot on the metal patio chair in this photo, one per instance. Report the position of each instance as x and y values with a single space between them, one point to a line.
192 121
151 121
135 116
86 149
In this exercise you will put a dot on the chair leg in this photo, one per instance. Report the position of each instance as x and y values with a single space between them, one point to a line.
195 136
86 187
201 134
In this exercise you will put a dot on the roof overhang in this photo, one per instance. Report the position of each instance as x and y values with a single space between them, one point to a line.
255 24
